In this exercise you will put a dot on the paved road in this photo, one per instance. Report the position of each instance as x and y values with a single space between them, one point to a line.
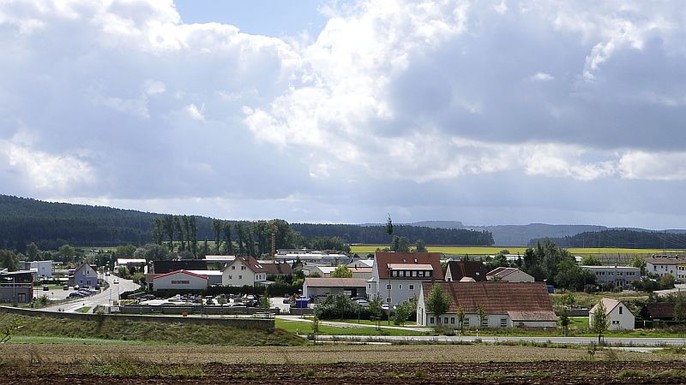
105 297
616 341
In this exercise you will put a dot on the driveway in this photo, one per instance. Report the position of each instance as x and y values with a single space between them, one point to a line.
105 297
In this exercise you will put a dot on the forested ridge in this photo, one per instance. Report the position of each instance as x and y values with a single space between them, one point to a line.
624 238
50 225
377 234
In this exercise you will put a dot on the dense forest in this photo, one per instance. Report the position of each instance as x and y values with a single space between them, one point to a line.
624 238
378 234
51 225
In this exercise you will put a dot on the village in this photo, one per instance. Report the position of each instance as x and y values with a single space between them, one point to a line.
469 295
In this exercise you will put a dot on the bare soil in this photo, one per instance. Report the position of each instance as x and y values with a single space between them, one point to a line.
543 372
341 364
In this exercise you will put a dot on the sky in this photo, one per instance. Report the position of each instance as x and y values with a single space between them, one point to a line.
325 111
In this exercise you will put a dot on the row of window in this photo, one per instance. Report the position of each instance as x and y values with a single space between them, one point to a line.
180 282
411 273
628 273
451 321
234 267
388 287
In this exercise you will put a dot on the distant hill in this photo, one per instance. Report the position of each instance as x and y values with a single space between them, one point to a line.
516 235
48 224
628 238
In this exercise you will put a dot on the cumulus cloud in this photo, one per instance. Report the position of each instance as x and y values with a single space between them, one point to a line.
126 103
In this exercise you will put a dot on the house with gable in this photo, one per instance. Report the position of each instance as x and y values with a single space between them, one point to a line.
505 304
179 280
457 270
397 277
509 274
662 265
244 271
85 276
619 316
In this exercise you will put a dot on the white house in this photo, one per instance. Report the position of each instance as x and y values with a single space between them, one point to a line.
508 274
620 318
244 271
505 304
85 276
663 265
397 277
179 280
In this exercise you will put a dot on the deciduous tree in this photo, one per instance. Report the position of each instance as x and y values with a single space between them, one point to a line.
437 302
601 321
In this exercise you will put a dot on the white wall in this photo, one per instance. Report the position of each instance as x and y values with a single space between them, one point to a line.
179 281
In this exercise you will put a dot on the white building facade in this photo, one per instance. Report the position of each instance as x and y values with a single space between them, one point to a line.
179 280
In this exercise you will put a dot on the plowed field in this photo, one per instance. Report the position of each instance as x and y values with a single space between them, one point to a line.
423 364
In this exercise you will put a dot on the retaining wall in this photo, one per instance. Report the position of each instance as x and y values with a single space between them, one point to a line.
245 322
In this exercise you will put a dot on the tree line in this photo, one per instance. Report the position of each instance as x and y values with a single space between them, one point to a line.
52 225
378 234
623 238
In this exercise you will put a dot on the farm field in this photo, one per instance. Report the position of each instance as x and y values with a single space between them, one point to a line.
492 250
329 364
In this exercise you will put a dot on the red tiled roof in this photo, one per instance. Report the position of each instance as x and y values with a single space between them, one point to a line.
250 262
496 297
276 268
384 258
185 272
659 310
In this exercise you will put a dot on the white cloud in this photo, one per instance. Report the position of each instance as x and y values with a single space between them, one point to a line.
424 94
653 166
47 173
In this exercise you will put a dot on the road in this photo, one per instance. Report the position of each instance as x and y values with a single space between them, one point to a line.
105 297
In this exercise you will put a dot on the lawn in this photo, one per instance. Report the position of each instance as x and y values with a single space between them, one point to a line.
299 327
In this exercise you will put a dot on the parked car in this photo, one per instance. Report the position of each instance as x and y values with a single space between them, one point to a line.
362 302
65 287
45 288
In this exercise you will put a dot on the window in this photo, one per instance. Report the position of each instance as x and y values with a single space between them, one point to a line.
233 267
466 321
431 320
484 322
620 310
242 267
400 286
503 322
445 320
230 277
180 282
452 320
411 287
240 277
388 287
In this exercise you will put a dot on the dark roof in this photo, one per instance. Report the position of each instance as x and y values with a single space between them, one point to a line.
276 268
471 269
384 258
164 267
496 297
659 310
